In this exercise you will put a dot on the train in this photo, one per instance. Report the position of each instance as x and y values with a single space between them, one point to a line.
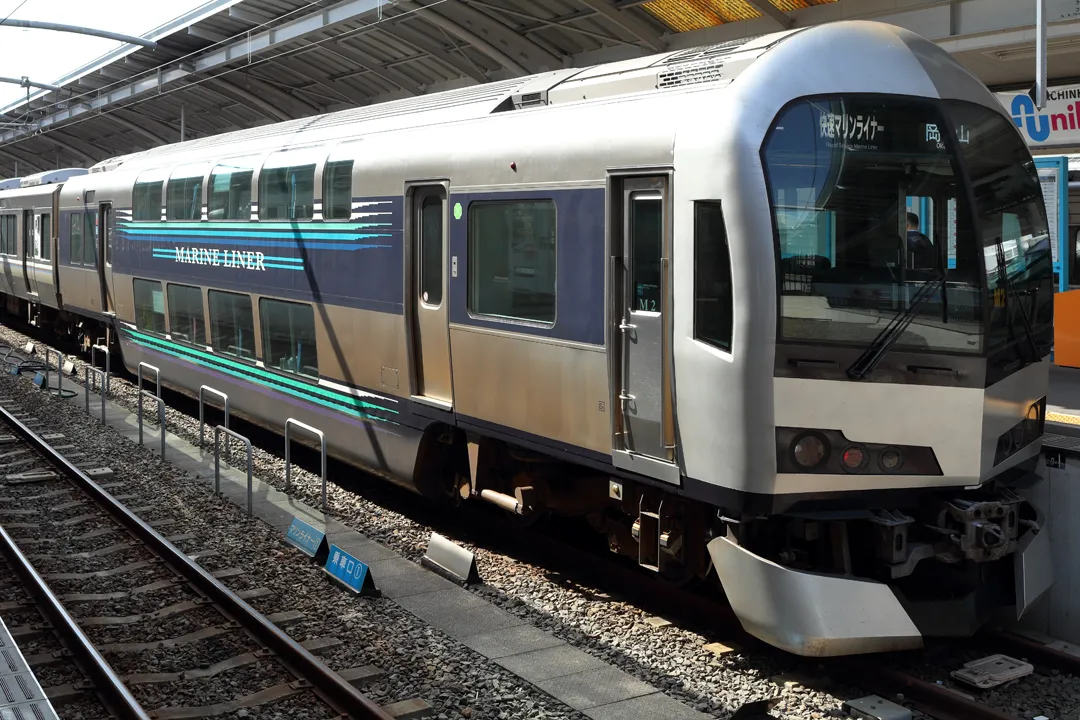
679 296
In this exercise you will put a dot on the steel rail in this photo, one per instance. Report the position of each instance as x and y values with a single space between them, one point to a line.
937 701
1032 651
115 695
330 686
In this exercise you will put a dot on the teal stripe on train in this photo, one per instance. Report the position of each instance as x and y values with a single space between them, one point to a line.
342 402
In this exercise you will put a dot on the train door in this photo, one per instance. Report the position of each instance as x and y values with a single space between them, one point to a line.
644 424
104 253
428 302
28 252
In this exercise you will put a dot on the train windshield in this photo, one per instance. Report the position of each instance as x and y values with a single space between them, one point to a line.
870 207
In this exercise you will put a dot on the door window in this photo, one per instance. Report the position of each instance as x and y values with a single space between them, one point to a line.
647 245
431 235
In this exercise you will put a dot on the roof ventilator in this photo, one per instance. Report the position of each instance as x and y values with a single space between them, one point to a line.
691 73
530 99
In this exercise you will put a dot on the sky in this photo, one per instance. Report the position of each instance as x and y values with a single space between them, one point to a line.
47 56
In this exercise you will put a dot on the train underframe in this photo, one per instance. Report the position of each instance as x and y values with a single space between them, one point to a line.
944 555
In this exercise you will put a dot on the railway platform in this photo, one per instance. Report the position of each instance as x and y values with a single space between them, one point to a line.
1063 402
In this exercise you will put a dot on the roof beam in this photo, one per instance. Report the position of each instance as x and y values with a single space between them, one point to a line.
21 159
766 8
542 57
242 50
204 34
376 67
633 25
248 15
63 145
251 99
420 42
119 119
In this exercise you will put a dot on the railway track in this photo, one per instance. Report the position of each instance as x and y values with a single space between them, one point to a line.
119 598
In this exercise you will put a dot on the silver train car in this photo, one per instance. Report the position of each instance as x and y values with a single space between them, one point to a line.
743 307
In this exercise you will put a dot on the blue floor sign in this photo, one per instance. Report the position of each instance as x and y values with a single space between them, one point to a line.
306 537
349 571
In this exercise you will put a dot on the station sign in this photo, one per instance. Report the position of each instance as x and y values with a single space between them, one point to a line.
1055 125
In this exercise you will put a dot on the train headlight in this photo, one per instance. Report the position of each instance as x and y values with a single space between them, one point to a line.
810 450
853 457
891 460
830 452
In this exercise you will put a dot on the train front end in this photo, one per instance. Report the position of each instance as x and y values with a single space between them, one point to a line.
897 494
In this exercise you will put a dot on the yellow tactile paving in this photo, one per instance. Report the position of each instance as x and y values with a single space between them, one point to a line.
1063 418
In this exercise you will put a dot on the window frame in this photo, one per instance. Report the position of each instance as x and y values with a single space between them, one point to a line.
164 306
323 183
726 249
255 329
156 180
186 173
203 316
9 237
93 218
314 156
75 220
469 260
263 338
46 237
242 165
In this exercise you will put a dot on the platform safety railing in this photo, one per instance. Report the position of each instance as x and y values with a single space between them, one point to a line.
102 376
49 352
203 389
289 425
218 430
161 418
108 362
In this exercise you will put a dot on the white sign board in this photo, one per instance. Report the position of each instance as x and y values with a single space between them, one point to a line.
1057 124
1051 189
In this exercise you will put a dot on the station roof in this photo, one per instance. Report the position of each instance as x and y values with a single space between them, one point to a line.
258 61
241 63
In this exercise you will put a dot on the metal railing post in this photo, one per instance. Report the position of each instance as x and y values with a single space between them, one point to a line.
218 430
108 362
161 418
289 424
203 389
157 381
102 378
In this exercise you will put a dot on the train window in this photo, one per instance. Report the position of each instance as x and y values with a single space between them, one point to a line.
511 263
75 244
149 306
46 236
431 250
186 322
337 190
230 193
288 334
287 193
9 243
860 190
647 241
232 324
146 202
183 196
89 239
712 276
